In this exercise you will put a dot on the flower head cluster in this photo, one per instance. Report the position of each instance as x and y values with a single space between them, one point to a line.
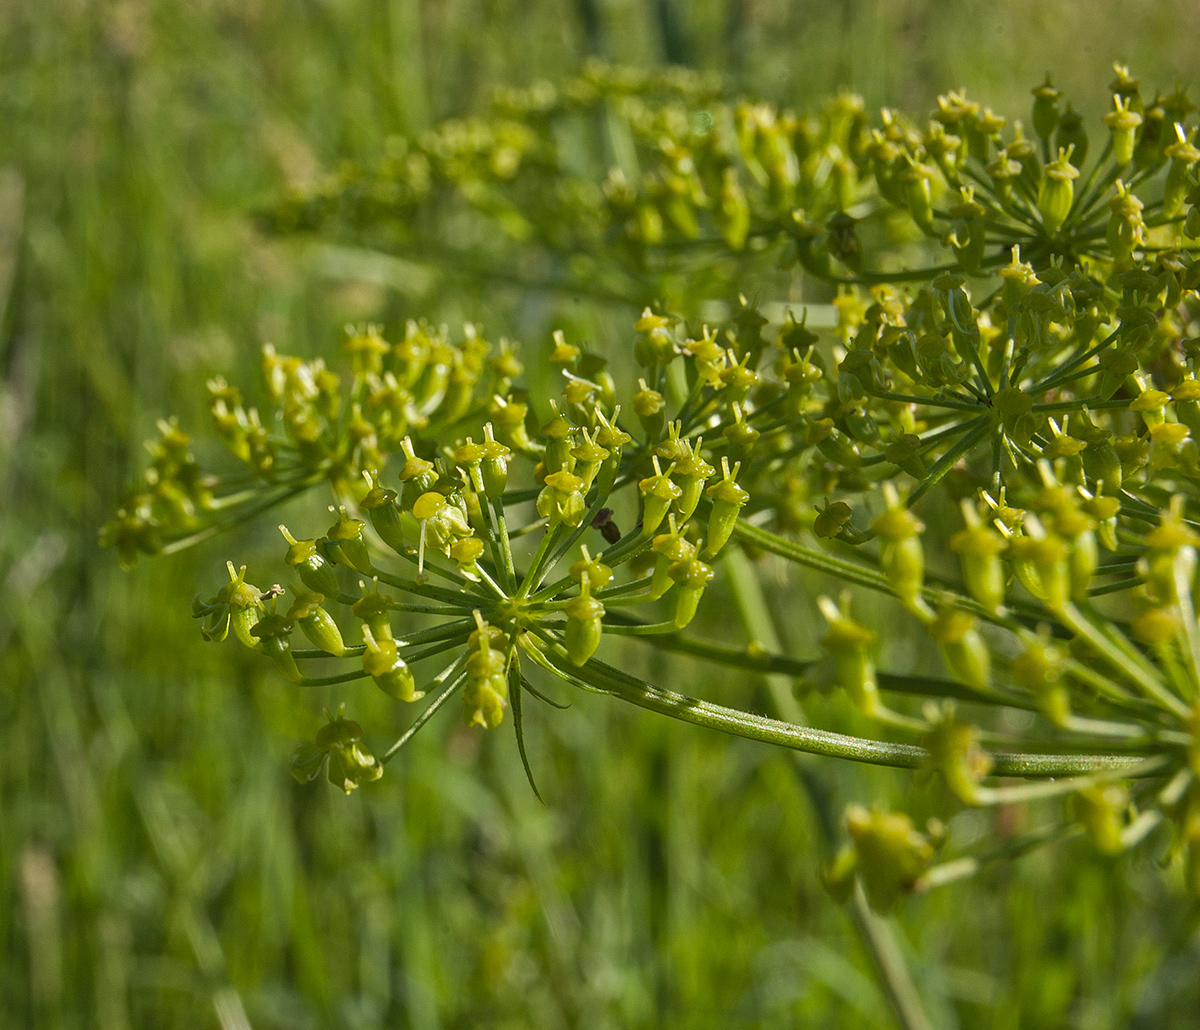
1013 364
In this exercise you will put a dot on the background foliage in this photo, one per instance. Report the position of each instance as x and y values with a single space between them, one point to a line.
160 867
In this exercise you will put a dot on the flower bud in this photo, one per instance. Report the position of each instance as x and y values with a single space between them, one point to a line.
382 662
592 569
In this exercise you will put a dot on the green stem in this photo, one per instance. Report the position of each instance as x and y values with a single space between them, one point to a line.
432 708
596 675
948 460
508 574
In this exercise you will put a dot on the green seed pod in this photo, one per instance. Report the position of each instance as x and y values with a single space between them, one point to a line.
375 610
1187 403
1126 229
918 197
1183 154
968 239
508 417
670 547
352 764
486 692
1057 190
954 752
382 662
849 644
244 603
345 541
890 854
728 500
658 494
588 456
693 576
963 648
565 355
1003 172
417 475
1103 467
340 744
610 436
561 500
557 434
274 632
466 553
592 569
732 213
468 456
1071 133
904 453
315 570
380 506
649 406
1041 565
691 472
317 624
1045 108
655 345
1039 670
979 548
584 628
902 557
494 467
1123 125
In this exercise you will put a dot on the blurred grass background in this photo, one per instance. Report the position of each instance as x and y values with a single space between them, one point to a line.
158 867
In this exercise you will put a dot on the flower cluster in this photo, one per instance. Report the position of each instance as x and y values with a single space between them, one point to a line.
1014 363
